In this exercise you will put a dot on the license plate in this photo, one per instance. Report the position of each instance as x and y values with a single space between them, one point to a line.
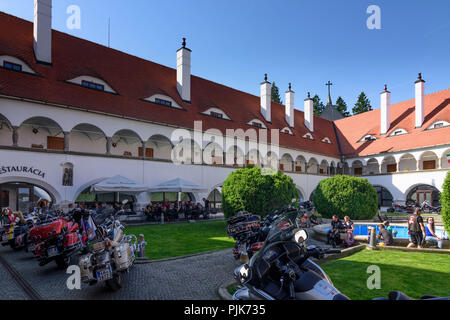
51 252
104 274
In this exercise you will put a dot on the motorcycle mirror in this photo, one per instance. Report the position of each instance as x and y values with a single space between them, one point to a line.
244 273
301 236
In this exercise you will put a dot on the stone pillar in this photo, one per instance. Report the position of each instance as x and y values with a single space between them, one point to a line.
418 165
381 168
143 149
438 163
15 136
66 141
108 145
293 166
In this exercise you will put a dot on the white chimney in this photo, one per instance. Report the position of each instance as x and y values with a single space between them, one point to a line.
266 90
420 104
184 72
290 106
385 110
309 113
42 31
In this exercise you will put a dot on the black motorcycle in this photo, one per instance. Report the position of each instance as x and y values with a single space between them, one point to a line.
283 270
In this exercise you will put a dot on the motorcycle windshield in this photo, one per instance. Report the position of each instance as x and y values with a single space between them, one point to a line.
285 223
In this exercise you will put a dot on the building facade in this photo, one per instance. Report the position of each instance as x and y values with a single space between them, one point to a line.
73 113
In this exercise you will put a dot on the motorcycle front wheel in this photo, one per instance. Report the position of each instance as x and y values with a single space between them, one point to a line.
62 262
115 283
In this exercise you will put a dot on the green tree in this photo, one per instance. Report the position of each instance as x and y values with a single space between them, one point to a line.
251 190
344 195
318 105
341 106
362 105
275 94
445 202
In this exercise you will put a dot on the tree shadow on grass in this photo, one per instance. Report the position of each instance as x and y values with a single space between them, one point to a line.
350 277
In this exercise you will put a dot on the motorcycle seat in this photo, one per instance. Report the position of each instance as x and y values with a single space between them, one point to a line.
397 295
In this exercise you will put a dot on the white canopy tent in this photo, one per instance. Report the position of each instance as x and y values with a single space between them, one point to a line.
119 184
177 185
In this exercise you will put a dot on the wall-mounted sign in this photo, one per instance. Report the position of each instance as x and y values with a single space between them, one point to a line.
23 169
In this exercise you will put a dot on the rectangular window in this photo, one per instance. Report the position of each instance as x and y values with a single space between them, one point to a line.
298 169
12 66
429 165
391 168
55 143
358 171
92 85
216 115
148 152
256 124
438 125
163 102
281 167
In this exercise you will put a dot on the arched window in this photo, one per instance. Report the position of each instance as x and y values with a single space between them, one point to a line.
422 193
385 198
215 199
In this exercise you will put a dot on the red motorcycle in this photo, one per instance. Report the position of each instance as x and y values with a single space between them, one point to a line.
57 241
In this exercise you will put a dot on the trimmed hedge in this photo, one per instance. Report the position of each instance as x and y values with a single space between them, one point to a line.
251 190
445 202
344 195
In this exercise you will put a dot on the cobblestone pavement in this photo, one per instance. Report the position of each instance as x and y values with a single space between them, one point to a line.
196 278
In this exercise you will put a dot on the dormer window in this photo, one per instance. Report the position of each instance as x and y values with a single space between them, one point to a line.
92 85
326 140
368 137
12 66
308 135
163 102
286 130
439 124
257 123
398 132
216 114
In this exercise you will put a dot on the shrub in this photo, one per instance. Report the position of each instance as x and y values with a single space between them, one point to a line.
248 189
445 202
343 195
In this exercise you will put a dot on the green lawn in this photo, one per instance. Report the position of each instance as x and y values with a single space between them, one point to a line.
414 273
173 240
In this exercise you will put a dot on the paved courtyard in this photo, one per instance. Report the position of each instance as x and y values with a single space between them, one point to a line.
196 278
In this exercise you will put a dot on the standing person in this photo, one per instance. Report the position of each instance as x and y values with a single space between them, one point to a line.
430 233
206 212
416 229
386 236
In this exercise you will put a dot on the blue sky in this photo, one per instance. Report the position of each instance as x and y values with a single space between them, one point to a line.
235 42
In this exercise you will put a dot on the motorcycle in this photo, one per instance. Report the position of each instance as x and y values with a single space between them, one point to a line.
56 240
245 229
111 253
426 207
283 270
16 233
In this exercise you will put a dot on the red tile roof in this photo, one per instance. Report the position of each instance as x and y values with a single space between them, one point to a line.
134 78
353 129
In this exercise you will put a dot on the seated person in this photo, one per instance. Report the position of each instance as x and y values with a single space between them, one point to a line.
313 220
336 224
430 233
386 236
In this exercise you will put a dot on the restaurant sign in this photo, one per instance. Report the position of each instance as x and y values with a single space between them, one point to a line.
23 169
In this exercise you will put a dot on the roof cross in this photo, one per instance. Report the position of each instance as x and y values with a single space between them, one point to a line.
329 84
